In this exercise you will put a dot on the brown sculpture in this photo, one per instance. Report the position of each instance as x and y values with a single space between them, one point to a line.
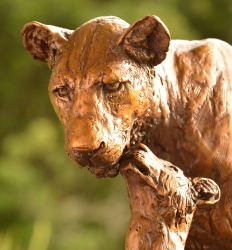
162 200
112 87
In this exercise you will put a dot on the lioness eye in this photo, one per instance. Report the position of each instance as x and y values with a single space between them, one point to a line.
116 92
62 92
113 87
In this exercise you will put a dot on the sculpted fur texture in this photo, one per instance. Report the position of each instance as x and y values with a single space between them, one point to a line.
162 200
114 85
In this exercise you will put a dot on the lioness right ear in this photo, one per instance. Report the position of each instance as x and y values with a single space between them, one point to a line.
43 41
147 40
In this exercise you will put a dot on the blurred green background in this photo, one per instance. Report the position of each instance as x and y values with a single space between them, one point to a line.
46 202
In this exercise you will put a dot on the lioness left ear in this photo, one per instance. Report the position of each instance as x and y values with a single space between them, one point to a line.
207 191
44 41
147 40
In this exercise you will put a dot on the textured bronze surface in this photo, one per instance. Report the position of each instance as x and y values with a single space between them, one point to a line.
162 200
112 88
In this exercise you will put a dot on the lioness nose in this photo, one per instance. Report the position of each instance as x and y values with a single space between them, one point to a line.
84 133
85 148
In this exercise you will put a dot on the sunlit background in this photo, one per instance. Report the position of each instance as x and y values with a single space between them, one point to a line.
46 202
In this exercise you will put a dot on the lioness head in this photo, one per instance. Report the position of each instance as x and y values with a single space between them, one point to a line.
101 82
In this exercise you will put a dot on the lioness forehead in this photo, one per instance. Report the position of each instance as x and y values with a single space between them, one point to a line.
93 52
96 40
93 55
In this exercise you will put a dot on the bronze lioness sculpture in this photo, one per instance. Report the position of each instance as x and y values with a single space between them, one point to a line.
112 87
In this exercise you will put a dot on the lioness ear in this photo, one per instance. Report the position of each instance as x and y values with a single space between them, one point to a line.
43 41
147 40
207 191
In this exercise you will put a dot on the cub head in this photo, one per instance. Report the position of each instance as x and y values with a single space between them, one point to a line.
101 82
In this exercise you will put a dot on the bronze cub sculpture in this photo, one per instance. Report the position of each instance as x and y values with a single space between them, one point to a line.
162 200
114 85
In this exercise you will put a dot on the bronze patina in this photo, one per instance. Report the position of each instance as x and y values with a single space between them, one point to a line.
162 200
114 85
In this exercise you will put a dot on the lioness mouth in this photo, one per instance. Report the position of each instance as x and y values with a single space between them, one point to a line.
82 156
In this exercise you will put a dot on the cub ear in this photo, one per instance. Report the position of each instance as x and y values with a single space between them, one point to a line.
147 40
207 191
44 41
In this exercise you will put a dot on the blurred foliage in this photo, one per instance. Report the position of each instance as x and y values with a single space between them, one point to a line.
39 185
46 202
